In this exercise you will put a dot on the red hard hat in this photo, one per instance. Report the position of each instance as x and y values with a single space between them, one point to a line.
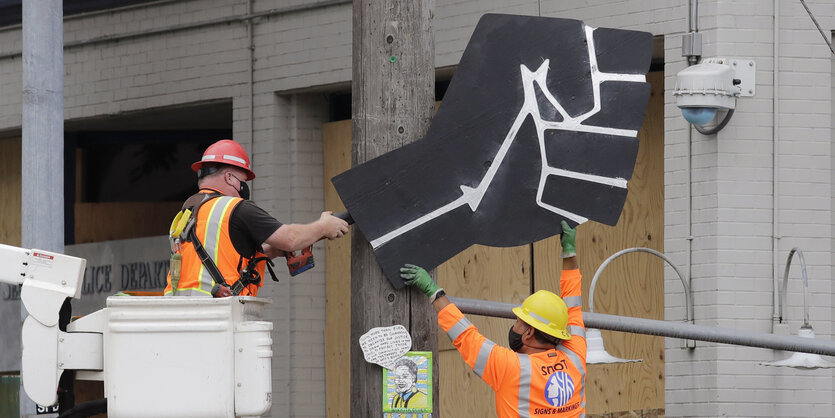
226 151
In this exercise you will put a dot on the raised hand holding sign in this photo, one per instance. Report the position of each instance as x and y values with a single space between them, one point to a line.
538 126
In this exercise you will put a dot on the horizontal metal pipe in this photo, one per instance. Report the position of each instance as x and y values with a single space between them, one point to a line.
666 329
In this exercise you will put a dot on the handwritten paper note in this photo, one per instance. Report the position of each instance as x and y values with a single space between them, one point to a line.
385 345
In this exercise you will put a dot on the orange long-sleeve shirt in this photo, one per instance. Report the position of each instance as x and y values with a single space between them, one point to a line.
550 383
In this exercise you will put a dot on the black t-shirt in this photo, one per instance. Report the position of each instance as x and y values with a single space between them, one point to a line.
249 227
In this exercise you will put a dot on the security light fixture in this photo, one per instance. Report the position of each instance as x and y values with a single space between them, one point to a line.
596 351
705 89
807 361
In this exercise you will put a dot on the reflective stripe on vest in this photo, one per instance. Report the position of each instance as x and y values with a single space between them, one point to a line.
573 301
483 356
578 364
458 328
212 226
575 360
211 237
524 386
576 330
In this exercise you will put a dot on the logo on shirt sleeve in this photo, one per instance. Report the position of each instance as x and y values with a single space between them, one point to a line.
559 389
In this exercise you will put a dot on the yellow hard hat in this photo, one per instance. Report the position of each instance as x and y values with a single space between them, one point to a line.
546 312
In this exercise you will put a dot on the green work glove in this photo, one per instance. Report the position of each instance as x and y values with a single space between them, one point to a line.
567 240
418 278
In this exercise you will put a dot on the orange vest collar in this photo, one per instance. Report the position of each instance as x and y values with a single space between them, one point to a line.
209 190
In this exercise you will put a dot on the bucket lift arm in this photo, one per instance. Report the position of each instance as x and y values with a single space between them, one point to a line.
47 279
134 338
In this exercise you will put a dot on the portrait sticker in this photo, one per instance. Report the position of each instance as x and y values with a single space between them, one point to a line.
407 389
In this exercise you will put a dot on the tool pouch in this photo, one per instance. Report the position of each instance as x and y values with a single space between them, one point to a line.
181 222
174 269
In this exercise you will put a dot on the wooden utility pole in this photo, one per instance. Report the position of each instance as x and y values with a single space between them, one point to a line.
393 100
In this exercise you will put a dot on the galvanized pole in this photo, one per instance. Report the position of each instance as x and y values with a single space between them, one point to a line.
666 329
42 177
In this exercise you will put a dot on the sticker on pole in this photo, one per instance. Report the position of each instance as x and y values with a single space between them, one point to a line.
385 345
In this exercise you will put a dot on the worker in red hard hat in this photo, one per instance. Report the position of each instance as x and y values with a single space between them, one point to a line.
222 241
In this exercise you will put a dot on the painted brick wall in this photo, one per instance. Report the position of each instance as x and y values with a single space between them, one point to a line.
732 214
304 49
283 133
291 156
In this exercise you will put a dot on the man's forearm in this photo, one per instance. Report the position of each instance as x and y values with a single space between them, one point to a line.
570 263
441 303
292 237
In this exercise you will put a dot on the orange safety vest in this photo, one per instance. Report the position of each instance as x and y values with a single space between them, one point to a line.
550 383
212 229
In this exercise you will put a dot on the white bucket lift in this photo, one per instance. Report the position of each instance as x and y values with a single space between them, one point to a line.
158 356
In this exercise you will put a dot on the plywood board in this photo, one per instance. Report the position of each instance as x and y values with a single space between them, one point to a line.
498 274
462 393
478 272
10 169
632 285
94 222
487 273
107 221
509 274
89 390
336 137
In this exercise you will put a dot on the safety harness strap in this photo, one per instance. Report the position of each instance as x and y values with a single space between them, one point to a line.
196 201
207 261
249 275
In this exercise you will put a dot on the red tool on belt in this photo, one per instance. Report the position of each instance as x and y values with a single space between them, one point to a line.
303 261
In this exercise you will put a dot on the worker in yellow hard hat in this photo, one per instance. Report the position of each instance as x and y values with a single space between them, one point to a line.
543 372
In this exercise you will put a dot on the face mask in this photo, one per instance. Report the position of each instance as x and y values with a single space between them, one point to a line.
244 192
514 339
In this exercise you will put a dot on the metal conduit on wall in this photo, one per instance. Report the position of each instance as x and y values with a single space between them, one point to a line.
797 360
782 294
691 60
775 165
665 329
688 296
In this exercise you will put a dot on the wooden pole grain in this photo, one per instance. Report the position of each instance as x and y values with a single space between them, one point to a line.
393 89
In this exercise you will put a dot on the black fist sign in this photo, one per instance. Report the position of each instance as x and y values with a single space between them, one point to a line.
539 125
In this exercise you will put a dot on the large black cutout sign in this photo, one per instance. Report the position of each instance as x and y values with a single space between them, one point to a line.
538 125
